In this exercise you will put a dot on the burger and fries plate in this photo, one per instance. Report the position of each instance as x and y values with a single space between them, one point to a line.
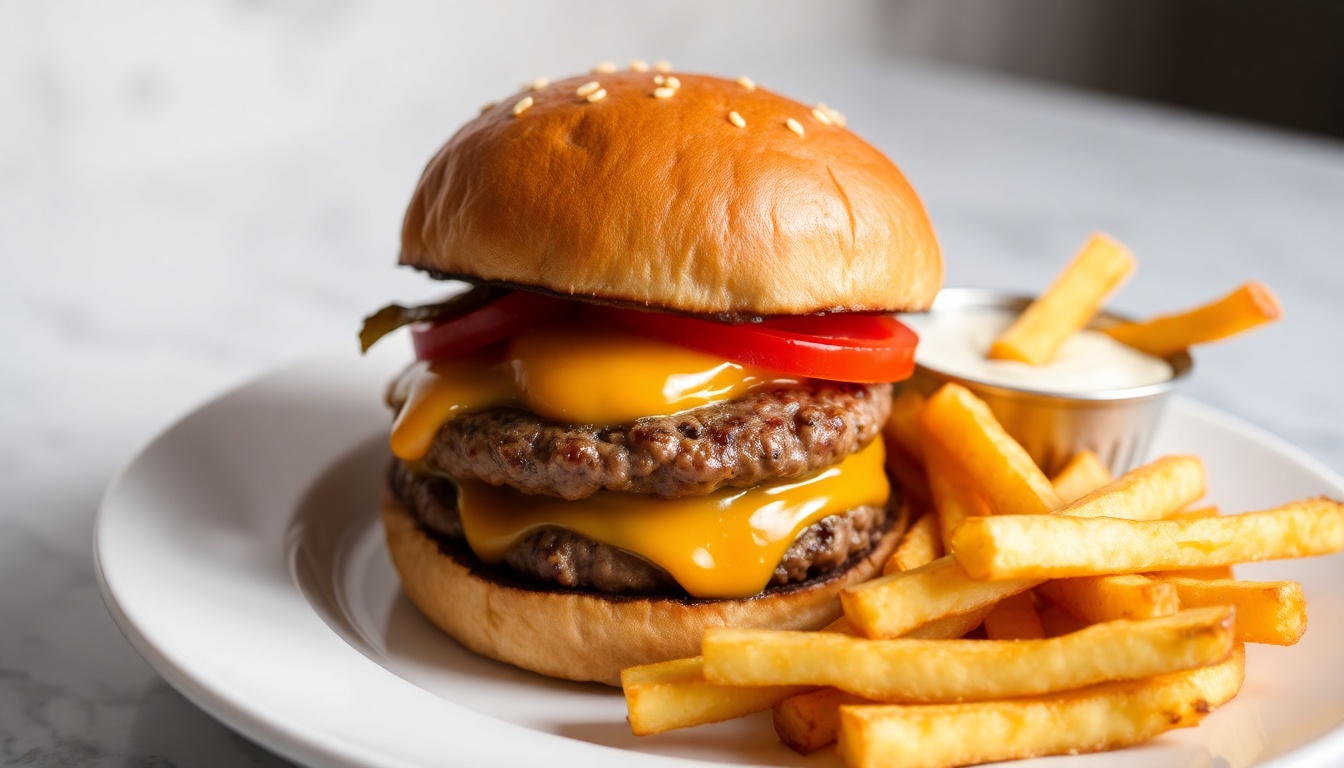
241 555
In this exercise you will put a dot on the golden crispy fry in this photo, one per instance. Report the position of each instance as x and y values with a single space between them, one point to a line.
674 694
1068 305
1208 574
1152 492
943 671
954 498
840 625
1196 513
1273 612
946 628
949 627
1245 308
974 440
1082 475
1051 546
1106 716
895 604
1220 683
809 721
891 606
1014 618
1107 598
902 426
920 545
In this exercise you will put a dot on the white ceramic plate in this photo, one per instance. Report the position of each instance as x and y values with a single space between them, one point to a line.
240 554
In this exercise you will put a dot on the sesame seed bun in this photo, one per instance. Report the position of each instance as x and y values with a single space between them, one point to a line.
692 194
586 635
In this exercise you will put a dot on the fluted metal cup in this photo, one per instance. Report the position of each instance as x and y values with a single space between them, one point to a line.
1116 424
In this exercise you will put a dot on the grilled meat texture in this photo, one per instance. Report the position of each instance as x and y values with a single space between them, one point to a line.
562 558
779 432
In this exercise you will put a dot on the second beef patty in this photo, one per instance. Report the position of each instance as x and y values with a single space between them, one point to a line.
562 558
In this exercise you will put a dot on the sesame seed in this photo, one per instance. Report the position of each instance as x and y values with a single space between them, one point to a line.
487 106
522 105
639 65
662 66
794 126
583 90
819 112
673 82
747 82
598 95
836 117
663 92
659 79
737 120
540 83
605 67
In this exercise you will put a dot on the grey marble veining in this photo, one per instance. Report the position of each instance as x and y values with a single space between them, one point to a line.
125 302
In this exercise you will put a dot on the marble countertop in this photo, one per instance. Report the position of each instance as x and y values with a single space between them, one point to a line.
127 300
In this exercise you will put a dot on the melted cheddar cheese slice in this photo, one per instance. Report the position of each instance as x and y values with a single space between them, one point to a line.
574 374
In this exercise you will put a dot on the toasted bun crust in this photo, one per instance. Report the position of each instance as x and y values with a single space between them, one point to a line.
664 202
583 636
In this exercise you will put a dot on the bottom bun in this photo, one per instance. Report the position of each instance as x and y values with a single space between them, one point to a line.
587 635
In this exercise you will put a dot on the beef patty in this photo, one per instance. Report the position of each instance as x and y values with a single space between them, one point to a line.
771 433
566 559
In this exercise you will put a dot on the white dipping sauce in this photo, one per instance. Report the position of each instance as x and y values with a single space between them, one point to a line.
955 343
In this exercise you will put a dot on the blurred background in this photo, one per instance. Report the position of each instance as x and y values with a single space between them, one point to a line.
89 88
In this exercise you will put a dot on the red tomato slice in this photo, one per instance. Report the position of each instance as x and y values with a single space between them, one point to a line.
500 319
857 348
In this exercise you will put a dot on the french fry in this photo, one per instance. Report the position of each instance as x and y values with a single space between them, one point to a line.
809 721
1068 304
949 627
974 440
1017 547
902 426
946 628
954 499
1106 716
1082 475
1273 612
1196 513
1096 599
674 694
1014 618
1208 574
1249 306
1151 492
891 606
895 604
921 545
1220 683
944 671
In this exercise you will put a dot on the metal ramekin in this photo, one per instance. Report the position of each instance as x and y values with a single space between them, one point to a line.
1116 424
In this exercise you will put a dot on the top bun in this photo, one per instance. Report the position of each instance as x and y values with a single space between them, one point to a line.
666 202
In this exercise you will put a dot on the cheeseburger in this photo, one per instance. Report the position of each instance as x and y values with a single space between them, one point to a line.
659 406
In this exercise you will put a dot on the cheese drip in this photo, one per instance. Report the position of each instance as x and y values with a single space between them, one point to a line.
725 544
575 374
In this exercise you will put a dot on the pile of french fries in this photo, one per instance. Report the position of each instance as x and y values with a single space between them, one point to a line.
1020 616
